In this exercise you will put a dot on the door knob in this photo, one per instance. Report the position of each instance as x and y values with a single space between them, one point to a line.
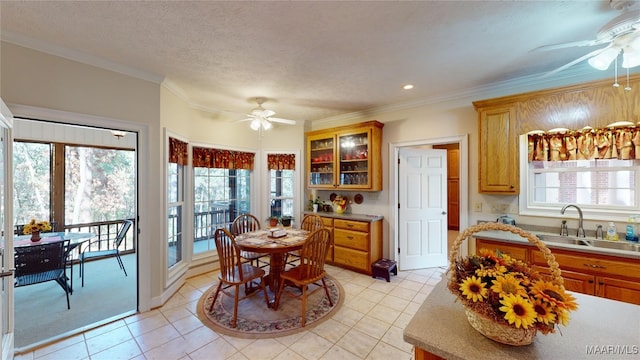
7 273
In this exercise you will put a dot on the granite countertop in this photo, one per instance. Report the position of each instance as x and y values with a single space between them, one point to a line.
507 236
357 217
599 328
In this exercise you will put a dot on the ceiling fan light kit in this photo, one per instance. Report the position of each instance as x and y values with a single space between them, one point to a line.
261 118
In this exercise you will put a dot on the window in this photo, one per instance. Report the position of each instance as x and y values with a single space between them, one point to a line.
220 195
178 158
281 184
221 192
599 186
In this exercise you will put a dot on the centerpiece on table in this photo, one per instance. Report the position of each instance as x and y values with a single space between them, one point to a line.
504 298
34 228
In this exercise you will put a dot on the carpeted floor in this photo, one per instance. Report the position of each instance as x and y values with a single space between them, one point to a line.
41 310
256 320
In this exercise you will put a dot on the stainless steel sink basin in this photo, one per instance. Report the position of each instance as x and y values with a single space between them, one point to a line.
619 245
563 239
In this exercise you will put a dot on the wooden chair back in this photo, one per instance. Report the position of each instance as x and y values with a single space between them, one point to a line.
313 255
228 255
312 223
245 223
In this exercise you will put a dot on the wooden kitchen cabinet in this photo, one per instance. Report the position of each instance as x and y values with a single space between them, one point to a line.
356 244
498 168
347 157
602 275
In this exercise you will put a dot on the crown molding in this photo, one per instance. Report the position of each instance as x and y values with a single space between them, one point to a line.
69 54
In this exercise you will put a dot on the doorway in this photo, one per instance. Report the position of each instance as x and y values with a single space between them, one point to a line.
108 293
394 216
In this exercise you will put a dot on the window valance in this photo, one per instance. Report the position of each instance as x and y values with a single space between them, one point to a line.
222 159
281 161
620 142
178 152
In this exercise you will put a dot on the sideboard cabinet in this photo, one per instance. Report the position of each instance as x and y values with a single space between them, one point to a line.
347 157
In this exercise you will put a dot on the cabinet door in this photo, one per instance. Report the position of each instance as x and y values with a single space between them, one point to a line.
573 281
617 289
354 161
498 151
515 251
320 164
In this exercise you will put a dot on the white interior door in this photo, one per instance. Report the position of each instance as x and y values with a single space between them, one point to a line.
422 216
6 255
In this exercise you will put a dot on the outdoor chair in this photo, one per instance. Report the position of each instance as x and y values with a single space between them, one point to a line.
234 272
247 223
95 250
309 272
41 263
311 223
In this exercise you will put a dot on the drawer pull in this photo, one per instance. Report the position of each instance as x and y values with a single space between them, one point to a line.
350 225
595 266
350 237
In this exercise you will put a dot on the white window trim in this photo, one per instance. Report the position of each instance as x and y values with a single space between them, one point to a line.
527 208
297 176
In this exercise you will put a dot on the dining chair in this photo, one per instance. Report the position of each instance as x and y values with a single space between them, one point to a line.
110 249
41 263
311 223
309 272
234 272
247 223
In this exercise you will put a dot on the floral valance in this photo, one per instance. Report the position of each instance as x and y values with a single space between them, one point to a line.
222 159
587 143
281 161
178 152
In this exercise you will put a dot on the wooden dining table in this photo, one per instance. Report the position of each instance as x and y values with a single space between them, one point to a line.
260 241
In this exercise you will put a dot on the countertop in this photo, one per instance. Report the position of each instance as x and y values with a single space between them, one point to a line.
609 329
507 236
357 217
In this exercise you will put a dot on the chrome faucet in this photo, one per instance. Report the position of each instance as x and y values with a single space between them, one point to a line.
580 228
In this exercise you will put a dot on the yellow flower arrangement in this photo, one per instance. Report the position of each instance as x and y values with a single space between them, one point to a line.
34 226
508 291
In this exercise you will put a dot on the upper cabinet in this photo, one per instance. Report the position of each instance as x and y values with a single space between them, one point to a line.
498 150
347 157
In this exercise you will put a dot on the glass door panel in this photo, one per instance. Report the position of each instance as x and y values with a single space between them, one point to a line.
354 160
321 162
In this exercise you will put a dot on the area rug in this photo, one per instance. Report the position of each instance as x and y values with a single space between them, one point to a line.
257 321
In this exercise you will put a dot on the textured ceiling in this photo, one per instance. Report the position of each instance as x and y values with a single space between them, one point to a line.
313 60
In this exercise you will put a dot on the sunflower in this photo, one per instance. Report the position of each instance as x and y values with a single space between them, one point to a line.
508 284
553 294
545 315
473 288
518 310
495 271
563 316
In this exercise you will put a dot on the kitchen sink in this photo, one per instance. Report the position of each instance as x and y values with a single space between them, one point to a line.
563 239
618 245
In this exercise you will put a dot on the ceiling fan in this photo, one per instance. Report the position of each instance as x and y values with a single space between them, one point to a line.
263 118
621 35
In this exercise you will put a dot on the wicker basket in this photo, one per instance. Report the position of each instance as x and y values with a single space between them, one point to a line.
502 333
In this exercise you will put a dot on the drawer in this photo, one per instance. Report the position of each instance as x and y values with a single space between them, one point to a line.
591 264
327 221
352 258
517 252
352 239
351 225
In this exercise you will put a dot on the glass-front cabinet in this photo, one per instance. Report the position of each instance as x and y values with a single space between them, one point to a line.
347 157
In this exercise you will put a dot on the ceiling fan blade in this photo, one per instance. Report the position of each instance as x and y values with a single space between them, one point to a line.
571 44
578 60
266 113
282 121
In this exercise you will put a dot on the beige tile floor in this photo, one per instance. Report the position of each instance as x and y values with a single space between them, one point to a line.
368 326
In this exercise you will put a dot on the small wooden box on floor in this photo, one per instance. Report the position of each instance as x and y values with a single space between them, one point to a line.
383 268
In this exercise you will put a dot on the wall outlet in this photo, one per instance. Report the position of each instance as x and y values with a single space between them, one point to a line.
499 208
477 207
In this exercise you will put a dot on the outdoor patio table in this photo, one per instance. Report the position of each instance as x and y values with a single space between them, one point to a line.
259 241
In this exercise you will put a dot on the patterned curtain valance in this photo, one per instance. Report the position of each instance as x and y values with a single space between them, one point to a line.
608 143
281 161
222 159
178 152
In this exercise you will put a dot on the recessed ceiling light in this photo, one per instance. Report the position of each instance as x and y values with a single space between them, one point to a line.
408 87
